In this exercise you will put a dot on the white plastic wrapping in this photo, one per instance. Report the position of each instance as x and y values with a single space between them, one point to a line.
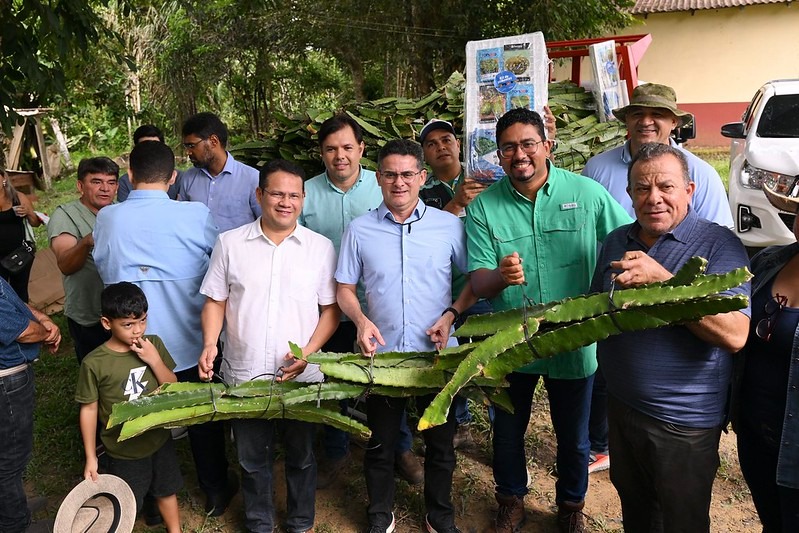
501 74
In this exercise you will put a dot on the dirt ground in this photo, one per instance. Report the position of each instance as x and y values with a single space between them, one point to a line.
341 508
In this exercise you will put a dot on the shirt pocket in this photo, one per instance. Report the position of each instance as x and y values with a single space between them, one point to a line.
564 238
509 238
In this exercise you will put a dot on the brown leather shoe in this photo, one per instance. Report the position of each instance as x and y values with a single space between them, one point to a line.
571 518
510 515
408 467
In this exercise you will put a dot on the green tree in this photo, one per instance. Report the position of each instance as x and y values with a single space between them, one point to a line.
36 43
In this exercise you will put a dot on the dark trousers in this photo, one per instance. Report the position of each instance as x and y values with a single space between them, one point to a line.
86 338
337 441
569 402
384 416
17 394
207 444
598 421
759 436
663 472
255 441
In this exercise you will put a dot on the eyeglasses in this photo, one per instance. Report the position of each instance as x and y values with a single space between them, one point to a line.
772 310
528 147
407 177
280 196
190 146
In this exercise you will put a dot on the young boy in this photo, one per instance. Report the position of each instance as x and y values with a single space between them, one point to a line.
123 368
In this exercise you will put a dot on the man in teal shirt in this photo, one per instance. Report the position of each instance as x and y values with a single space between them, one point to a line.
532 238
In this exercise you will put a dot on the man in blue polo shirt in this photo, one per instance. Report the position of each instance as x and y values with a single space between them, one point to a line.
164 247
667 387
225 185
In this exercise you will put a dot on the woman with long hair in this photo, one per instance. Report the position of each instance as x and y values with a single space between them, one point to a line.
15 210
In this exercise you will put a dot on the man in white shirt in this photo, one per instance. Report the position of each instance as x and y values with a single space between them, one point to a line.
277 278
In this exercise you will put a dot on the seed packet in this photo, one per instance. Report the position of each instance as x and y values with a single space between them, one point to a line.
521 96
488 63
484 162
516 58
492 104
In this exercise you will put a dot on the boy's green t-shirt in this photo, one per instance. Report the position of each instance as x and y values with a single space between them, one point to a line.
110 377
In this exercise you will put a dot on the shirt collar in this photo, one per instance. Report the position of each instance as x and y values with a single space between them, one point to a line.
256 232
354 185
682 233
418 212
147 193
227 169
626 156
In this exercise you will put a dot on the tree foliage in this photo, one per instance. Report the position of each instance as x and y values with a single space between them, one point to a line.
37 42
137 60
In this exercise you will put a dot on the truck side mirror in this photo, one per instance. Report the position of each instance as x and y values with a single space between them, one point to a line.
733 130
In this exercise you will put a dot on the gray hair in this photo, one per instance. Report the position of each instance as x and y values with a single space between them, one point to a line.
651 151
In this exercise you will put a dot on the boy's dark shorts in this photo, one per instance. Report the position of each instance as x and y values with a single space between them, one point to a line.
158 474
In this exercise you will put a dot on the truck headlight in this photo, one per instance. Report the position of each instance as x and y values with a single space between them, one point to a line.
753 177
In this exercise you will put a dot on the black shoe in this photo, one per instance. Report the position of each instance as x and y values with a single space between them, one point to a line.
216 504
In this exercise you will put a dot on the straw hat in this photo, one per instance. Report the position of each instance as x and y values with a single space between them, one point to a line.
658 96
105 506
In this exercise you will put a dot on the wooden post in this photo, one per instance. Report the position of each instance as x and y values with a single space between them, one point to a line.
42 149
61 140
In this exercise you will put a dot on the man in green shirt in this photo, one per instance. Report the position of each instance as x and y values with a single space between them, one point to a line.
72 239
532 238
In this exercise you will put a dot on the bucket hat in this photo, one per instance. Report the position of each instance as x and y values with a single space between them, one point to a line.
654 95
104 506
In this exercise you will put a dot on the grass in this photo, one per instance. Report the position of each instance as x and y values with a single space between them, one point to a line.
719 158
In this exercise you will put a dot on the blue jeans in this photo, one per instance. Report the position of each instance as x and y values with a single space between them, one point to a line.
598 422
17 394
569 405
255 446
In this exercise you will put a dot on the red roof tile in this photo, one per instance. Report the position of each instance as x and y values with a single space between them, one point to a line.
664 6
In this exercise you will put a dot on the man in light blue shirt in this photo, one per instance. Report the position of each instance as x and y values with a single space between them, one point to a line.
403 253
343 192
650 117
225 185
164 247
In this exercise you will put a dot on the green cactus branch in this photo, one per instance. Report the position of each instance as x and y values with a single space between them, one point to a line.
476 370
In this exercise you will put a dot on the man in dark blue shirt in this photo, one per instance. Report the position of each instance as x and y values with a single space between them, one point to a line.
667 387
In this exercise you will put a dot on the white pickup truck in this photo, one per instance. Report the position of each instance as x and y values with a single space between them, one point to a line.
765 144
